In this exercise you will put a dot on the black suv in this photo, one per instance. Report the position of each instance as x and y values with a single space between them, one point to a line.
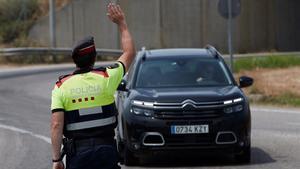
175 99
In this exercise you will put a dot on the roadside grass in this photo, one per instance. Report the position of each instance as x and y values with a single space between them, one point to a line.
276 79
284 99
271 61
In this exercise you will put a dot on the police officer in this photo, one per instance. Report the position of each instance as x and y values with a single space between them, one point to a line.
83 108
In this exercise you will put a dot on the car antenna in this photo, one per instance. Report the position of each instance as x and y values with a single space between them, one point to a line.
212 50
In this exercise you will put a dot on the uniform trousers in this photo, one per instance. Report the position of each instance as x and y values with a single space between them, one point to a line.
94 156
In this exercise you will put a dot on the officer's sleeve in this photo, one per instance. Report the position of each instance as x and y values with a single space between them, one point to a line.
56 100
115 73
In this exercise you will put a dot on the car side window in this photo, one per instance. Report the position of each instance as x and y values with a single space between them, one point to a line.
129 75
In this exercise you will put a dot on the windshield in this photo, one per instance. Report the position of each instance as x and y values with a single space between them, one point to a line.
182 72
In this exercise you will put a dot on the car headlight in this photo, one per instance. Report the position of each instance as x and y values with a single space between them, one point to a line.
141 112
232 109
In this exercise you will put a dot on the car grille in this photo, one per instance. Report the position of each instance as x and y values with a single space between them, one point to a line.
187 115
191 111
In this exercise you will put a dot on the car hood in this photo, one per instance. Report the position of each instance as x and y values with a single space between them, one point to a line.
203 94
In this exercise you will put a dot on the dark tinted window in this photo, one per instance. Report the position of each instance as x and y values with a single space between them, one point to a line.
182 72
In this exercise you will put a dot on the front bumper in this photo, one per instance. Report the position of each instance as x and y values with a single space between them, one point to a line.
239 124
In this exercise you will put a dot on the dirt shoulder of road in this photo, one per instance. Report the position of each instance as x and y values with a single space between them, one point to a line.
282 83
10 66
274 82
15 66
45 66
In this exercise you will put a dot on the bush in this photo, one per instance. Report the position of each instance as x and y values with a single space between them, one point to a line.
16 18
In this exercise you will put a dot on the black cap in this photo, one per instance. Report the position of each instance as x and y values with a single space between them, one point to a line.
84 52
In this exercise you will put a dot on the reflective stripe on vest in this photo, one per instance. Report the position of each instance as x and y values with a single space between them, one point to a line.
99 121
91 124
90 111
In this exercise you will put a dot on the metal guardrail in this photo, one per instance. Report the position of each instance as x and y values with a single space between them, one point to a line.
53 51
107 52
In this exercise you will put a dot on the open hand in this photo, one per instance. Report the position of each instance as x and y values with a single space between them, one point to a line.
115 13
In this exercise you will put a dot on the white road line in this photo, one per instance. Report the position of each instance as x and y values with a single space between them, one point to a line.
12 128
284 111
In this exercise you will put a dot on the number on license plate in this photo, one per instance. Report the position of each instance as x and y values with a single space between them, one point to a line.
189 129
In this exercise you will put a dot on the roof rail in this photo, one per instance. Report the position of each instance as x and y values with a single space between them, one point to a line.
143 53
212 50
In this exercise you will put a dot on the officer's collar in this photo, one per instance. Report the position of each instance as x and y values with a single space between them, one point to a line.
82 70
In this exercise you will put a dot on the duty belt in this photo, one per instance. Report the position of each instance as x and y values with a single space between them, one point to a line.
94 142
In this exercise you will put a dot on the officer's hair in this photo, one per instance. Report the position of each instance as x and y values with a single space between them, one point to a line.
85 60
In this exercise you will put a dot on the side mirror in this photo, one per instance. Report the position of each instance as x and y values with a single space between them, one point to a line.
246 81
122 86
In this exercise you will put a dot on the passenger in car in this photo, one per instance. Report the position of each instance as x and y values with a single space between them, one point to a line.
205 72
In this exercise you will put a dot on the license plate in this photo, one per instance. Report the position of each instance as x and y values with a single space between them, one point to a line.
189 129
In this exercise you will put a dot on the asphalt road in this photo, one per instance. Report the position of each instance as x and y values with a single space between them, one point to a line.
25 143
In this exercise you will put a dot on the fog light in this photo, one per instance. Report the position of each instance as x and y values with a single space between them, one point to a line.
238 108
137 111
148 114
141 112
228 110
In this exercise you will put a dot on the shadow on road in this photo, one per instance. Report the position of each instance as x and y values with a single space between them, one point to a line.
259 156
185 159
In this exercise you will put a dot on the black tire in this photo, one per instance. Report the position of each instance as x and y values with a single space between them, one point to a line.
129 158
245 156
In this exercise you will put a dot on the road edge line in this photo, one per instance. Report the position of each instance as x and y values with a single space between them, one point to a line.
15 129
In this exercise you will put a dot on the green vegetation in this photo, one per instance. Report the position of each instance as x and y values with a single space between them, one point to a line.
286 99
257 96
16 18
271 61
